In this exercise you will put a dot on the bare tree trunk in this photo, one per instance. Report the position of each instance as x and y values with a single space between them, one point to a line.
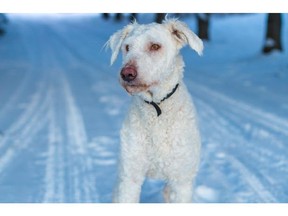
3 21
118 17
203 25
105 16
273 33
159 17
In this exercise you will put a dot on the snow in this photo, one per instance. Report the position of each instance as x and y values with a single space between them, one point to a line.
62 108
206 193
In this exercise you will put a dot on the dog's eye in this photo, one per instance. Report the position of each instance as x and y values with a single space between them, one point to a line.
127 48
155 47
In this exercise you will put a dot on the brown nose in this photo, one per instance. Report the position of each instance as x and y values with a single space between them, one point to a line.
128 73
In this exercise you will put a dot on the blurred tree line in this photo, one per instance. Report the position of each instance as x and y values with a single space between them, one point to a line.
3 22
273 40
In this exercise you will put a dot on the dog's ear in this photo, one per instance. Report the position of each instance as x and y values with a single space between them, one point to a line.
116 40
183 35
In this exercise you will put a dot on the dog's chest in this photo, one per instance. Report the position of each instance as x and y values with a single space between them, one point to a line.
160 147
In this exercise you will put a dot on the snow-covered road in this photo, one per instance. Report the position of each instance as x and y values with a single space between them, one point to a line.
45 150
61 108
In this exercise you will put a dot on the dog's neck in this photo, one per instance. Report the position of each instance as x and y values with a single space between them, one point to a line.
164 87
156 105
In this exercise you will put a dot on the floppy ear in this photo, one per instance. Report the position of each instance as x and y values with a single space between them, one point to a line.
183 35
115 41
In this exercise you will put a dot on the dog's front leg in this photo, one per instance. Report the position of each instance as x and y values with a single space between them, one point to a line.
178 192
128 191
132 171
129 185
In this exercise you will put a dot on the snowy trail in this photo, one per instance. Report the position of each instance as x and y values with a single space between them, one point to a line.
82 187
65 122
268 120
234 121
61 109
54 175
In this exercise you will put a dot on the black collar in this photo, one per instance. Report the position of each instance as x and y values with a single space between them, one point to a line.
156 105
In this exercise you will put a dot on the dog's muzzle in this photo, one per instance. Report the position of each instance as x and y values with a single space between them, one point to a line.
128 73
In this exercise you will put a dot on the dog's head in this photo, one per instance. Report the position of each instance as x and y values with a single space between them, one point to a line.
150 51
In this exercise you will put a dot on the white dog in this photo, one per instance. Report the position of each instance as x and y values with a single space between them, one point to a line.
160 137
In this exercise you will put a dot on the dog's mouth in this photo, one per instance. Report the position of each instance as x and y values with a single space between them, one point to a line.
135 87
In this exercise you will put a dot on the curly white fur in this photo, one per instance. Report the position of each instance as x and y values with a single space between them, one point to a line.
165 146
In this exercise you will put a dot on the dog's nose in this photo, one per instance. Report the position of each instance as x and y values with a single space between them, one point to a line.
128 73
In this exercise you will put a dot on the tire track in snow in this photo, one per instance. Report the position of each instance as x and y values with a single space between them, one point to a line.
71 143
231 141
22 133
253 181
265 125
69 167
25 116
54 173
84 184
268 120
